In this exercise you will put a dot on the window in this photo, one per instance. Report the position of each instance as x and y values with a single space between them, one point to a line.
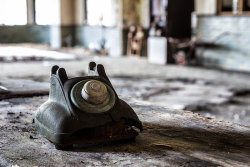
47 12
101 12
13 12
236 7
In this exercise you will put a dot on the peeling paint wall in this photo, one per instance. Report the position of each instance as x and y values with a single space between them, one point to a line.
136 12
73 31
206 7
25 34
131 12
70 36
145 14
87 35
231 35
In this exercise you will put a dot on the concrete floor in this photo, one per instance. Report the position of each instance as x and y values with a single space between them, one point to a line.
219 94
170 137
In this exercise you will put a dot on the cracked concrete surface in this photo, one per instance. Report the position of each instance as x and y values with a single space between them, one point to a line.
171 137
209 92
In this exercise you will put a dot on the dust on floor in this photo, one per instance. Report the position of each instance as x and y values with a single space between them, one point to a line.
212 93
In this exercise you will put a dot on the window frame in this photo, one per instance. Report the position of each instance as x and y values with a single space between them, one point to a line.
239 11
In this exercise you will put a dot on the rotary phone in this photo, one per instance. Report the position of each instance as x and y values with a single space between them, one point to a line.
85 110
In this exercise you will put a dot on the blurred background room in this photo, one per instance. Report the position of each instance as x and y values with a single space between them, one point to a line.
183 54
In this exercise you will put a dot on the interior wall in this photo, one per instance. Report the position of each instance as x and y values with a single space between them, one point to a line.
136 12
67 14
30 12
79 14
73 31
89 35
206 7
230 34
25 34
131 12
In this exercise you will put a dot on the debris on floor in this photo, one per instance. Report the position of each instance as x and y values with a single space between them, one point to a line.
18 53
171 137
